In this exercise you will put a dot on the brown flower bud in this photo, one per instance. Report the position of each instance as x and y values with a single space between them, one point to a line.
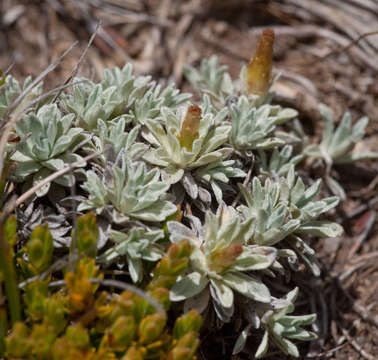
223 258
190 127
260 66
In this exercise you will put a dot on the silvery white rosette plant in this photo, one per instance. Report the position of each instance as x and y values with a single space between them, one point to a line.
337 145
130 191
48 143
222 172
189 146
220 261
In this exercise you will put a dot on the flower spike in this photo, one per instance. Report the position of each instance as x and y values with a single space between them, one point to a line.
260 66
190 126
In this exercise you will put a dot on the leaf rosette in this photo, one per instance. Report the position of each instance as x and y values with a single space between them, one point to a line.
337 143
48 144
253 127
221 262
10 88
189 140
279 327
136 246
285 210
129 192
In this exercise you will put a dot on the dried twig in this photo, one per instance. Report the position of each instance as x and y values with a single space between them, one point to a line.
77 66
366 221
56 266
366 257
357 308
347 47
346 274
325 354
245 182
129 16
357 347
368 5
52 91
17 105
26 195
338 16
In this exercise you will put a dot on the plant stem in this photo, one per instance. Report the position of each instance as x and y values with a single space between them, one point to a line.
10 281
3 328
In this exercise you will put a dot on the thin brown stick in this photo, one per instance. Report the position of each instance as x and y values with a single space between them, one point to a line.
52 91
77 66
346 274
357 308
17 105
324 354
26 195
60 264
369 6
245 182
365 257
350 45
92 24
7 71
337 16
34 83
131 17
56 266
357 347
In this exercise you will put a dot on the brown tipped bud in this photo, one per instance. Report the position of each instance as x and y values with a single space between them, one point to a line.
223 258
190 127
179 250
260 66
